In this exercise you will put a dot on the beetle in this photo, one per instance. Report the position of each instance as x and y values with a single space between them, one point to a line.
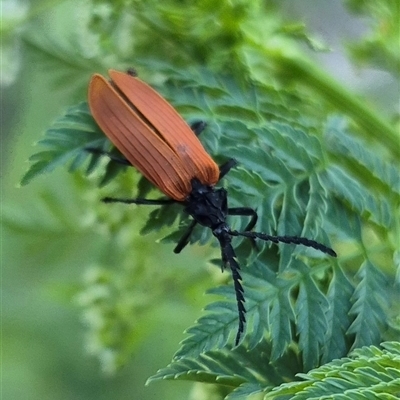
156 140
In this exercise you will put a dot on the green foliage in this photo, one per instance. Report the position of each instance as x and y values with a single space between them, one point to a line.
368 372
307 170
380 48
67 143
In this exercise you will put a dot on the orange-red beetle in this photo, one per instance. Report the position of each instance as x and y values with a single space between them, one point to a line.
155 139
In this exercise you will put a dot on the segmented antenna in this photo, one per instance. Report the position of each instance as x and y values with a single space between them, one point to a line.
229 258
239 297
286 239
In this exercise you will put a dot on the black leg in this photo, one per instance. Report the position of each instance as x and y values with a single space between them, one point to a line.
150 202
119 160
184 240
225 168
245 212
132 72
198 127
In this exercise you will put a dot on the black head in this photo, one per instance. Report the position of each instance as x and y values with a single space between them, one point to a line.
207 205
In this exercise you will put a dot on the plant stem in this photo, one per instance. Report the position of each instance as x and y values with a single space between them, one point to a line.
374 128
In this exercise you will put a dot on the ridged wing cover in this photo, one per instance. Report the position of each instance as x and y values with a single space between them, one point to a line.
150 133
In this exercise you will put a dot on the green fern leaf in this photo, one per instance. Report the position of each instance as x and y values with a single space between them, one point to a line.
281 315
214 330
267 299
340 290
211 368
371 301
341 143
244 391
233 367
315 209
66 142
361 200
311 308
211 331
369 373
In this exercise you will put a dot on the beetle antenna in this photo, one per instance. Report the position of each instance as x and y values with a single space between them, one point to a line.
239 297
229 259
286 239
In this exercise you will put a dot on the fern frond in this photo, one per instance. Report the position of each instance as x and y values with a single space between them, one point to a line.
281 315
340 291
311 308
371 300
214 330
367 373
363 201
233 367
374 167
244 391
65 143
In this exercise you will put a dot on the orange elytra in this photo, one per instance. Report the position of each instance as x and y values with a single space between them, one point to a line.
150 133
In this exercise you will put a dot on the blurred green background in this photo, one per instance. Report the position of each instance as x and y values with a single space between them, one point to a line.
44 262
48 256
45 256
